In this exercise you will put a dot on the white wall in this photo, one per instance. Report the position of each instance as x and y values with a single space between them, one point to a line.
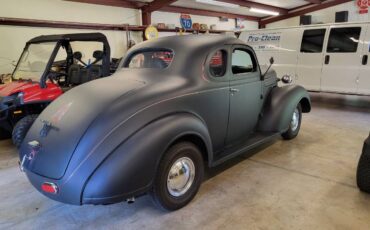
326 16
13 38
174 18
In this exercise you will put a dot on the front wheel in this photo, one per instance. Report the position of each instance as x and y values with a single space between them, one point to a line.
21 128
179 176
295 124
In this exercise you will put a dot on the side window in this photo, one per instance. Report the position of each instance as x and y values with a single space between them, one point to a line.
218 63
313 41
242 62
344 40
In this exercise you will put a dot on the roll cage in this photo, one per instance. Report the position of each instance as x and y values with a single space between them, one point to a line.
64 41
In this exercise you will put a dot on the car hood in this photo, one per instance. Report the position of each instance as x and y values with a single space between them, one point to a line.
62 125
14 87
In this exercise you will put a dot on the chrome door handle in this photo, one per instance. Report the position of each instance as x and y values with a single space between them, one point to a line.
233 90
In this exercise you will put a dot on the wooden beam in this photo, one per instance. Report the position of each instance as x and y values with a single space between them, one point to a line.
262 6
64 25
176 9
314 1
146 18
119 3
304 11
157 5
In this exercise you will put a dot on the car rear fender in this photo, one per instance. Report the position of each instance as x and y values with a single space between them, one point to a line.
366 147
130 169
279 107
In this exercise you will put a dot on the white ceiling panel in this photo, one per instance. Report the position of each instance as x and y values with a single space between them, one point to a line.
196 5
287 4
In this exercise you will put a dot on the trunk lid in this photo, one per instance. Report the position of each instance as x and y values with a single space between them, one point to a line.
69 117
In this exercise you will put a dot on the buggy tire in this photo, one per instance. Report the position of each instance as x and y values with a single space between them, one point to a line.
5 134
295 124
174 187
21 128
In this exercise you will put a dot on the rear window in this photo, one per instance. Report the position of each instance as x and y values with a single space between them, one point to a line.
159 59
344 40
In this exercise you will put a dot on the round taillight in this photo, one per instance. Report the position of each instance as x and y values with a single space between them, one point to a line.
49 187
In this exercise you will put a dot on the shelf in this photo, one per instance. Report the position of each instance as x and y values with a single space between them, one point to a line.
90 26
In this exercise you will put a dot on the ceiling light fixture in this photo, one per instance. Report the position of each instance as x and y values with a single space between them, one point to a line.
261 11
218 3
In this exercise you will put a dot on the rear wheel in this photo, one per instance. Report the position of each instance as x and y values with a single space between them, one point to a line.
363 172
21 128
179 176
295 124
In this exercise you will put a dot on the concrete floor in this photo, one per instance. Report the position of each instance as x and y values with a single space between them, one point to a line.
307 183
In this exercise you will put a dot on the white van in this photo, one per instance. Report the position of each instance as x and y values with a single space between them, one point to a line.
325 57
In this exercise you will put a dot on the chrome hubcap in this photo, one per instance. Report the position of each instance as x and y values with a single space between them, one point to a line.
295 120
181 176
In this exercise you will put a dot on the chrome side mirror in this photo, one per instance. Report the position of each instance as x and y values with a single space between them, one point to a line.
287 79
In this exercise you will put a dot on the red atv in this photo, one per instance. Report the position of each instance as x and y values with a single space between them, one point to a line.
48 67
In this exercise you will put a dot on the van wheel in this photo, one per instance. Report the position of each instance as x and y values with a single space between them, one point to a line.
295 124
179 176
363 172
21 128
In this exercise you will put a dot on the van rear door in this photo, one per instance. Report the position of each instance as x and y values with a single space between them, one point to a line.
311 58
342 59
364 77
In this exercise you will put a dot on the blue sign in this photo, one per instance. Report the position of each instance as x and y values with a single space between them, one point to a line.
185 21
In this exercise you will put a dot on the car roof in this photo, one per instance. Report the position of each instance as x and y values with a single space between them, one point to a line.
99 37
187 43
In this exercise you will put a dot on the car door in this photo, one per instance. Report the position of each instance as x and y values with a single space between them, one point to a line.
363 86
342 61
310 59
245 94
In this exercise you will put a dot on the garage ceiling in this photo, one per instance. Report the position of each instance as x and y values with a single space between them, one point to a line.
287 4
256 10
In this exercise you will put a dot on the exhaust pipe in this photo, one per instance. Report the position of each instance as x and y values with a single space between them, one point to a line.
130 200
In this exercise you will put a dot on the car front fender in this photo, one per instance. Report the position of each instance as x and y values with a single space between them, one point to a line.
130 170
279 107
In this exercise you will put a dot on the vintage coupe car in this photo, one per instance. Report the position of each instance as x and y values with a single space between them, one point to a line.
363 168
176 104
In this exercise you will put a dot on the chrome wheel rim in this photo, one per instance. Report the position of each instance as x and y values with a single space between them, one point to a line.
295 120
180 177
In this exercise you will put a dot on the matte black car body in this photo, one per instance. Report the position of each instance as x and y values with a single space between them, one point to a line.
363 168
103 148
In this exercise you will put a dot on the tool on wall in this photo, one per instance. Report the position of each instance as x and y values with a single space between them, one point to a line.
130 43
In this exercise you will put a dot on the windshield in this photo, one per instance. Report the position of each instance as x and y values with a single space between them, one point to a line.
151 59
33 61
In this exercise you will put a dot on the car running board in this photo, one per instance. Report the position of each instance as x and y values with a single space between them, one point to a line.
254 141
